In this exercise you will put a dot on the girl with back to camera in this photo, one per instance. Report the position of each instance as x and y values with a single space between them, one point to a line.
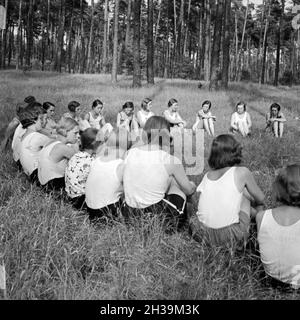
223 215
145 113
205 119
279 230
275 120
241 120
54 157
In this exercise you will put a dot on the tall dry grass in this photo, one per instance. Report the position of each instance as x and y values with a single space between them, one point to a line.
52 252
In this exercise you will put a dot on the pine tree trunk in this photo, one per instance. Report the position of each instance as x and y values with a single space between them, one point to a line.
263 67
208 40
61 35
136 44
19 39
70 38
215 52
82 51
114 71
128 25
226 44
187 29
29 34
150 47
89 63
104 48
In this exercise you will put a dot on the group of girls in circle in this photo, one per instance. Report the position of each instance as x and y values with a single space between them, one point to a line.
104 172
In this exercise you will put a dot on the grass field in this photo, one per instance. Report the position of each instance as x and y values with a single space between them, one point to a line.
52 252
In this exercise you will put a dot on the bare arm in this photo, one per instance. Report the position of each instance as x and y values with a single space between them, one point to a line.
282 118
249 120
140 120
87 117
168 117
62 151
232 122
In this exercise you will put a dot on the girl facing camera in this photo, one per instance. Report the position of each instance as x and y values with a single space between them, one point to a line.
279 230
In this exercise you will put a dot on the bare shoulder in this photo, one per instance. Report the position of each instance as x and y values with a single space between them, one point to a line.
243 171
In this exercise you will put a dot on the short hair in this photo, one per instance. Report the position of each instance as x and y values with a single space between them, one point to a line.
206 102
171 102
96 102
128 104
88 139
73 105
65 125
30 114
154 127
29 99
47 105
275 105
145 103
286 187
225 151
241 103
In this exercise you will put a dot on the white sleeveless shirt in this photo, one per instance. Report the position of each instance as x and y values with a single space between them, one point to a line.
103 187
238 119
146 179
47 168
16 142
30 149
220 201
95 122
280 249
143 117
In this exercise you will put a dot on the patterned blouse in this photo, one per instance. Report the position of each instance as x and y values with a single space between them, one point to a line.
76 174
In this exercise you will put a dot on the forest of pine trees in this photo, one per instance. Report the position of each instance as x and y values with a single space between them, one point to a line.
211 40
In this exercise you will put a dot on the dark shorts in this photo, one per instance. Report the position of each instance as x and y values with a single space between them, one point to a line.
57 184
110 212
172 210
78 202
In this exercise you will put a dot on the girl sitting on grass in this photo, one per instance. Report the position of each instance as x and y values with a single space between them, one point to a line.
96 119
127 120
15 122
54 156
50 128
275 120
241 120
32 141
223 215
79 165
144 114
205 119
154 180
172 115
279 230
104 186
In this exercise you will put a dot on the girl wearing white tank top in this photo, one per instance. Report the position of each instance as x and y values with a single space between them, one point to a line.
224 206
145 113
54 157
279 229
241 120
104 185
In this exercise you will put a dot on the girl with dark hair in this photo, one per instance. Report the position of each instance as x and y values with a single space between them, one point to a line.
275 120
223 215
78 166
279 230
51 125
15 122
54 156
126 119
145 113
241 120
96 119
104 186
172 115
205 119
74 111
155 181
33 140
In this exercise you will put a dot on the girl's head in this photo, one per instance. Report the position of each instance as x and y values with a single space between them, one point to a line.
206 105
74 107
29 100
225 152
274 109
49 108
68 128
33 114
128 108
89 139
157 131
97 106
286 187
146 104
240 107
173 104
